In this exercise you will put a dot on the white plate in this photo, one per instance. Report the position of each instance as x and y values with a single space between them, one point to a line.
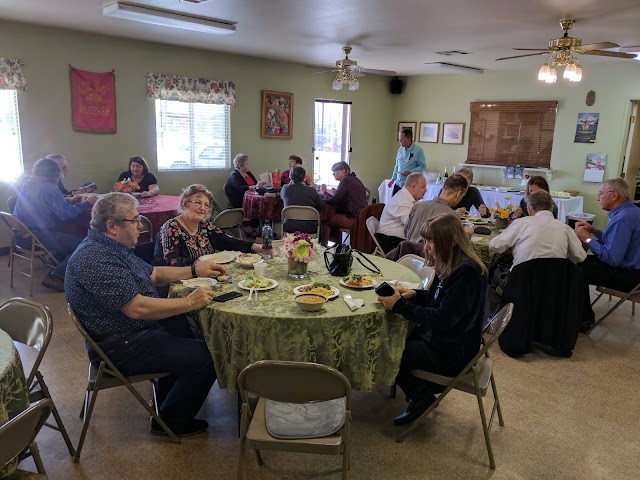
298 291
366 287
273 285
200 282
248 259
220 257
486 189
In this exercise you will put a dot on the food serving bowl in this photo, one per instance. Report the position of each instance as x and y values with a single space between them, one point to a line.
310 302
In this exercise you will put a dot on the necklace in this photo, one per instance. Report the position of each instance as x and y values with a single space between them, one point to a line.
187 225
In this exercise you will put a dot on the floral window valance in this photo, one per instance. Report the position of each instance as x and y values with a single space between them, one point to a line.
190 90
11 76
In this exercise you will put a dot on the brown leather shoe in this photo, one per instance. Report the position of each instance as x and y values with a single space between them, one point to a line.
54 283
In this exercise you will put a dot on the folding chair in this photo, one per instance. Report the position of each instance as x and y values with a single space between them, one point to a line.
17 438
36 250
230 219
293 382
11 203
474 378
108 376
416 264
30 325
633 296
298 212
372 227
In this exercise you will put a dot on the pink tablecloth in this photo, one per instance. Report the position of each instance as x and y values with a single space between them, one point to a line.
264 207
159 209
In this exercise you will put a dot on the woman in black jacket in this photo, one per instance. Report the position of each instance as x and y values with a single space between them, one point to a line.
240 180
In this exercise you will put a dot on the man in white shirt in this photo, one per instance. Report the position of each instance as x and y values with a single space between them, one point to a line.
396 212
539 235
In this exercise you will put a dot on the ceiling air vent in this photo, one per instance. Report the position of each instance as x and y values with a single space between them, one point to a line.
453 52
454 68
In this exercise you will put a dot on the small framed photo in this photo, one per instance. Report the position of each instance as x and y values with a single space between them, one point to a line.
411 125
277 114
428 132
453 133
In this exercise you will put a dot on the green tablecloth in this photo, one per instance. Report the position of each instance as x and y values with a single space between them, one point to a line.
13 389
481 246
366 345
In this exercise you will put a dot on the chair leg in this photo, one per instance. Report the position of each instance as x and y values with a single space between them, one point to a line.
259 457
497 400
620 302
31 276
87 413
60 426
597 298
485 429
37 459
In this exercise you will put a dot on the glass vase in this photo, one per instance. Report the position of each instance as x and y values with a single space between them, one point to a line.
502 223
297 269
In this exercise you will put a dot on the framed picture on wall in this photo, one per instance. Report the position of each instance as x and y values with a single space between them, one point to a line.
411 125
453 133
428 132
277 114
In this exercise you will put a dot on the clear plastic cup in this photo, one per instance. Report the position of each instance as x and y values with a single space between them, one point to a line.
260 269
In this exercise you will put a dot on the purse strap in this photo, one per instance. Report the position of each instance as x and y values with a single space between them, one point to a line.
375 269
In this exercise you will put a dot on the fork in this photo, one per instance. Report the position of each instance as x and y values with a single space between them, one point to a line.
251 290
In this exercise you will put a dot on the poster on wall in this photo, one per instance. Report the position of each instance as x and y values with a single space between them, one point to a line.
586 128
277 114
93 101
594 171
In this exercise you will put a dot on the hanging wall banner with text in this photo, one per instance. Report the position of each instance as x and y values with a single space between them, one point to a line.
93 101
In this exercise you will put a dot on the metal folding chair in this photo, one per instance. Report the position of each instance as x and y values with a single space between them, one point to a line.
633 296
372 227
231 219
416 264
299 212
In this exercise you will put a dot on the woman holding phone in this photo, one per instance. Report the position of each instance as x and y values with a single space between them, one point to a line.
448 318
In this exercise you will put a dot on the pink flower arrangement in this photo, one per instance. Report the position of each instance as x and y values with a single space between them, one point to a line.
298 246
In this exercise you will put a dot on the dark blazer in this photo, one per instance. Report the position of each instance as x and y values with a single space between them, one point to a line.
300 194
236 186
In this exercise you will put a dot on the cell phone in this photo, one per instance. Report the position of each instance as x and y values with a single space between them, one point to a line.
226 296
385 290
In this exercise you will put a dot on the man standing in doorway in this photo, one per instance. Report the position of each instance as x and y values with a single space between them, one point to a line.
409 159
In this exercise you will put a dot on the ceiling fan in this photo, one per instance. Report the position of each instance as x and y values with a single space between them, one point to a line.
562 48
348 71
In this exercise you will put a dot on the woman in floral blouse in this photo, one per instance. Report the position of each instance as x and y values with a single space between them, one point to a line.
192 234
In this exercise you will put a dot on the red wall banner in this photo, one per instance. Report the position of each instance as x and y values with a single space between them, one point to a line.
93 101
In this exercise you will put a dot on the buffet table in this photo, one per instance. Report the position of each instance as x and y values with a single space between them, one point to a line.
366 344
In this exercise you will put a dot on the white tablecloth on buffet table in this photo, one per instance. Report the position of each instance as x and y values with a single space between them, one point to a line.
566 205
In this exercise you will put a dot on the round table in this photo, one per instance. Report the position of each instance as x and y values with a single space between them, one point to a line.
366 345
13 389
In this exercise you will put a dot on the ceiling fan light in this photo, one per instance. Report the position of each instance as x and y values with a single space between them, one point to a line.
553 76
337 84
577 76
354 85
570 71
544 72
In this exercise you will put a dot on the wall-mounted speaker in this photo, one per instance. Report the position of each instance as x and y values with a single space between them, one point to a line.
396 86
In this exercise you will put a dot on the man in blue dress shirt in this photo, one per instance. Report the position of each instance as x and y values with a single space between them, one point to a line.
409 159
615 262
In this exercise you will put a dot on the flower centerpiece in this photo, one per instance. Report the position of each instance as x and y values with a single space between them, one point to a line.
503 215
297 248
126 186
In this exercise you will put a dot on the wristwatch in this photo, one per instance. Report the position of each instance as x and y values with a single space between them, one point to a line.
588 240
193 270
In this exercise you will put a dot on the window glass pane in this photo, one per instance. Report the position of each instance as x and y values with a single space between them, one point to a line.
192 135
10 136
331 138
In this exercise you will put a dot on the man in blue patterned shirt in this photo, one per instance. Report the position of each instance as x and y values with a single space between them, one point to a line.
113 293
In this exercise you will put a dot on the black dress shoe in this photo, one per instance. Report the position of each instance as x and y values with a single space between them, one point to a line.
54 283
181 429
414 410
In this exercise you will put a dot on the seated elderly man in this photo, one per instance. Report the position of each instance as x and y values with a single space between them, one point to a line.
396 212
539 235
113 293
615 262
74 196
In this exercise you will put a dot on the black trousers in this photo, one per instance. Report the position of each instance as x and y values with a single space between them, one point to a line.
388 242
396 189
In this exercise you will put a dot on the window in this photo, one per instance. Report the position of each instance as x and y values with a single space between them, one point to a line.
192 136
512 133
10 135
331 138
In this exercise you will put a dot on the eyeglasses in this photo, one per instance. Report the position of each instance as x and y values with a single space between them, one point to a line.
137 219
602 193
199 204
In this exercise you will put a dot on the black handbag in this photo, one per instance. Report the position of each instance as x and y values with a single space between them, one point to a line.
342 259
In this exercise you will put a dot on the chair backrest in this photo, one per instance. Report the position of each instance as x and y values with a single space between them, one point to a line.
230 218
20 431
491 333
20 230
416 264
29 323
146 226
295 382
372 226
299 212
229 193
11 203
360 238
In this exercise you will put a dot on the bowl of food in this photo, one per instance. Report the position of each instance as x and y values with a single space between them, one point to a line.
310 302
248 259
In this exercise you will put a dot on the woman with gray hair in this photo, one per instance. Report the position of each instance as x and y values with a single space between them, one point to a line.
240 180
297 193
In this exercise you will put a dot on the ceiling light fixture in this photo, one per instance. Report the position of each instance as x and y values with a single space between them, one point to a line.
561 58
346 69
168 19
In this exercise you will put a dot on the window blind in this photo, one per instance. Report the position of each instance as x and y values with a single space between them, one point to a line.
10 135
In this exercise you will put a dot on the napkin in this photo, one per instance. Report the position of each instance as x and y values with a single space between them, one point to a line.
266 178
409 285
353 303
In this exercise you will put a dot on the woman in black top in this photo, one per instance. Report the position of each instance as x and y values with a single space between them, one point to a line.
534 183
139 173
448 318
240 180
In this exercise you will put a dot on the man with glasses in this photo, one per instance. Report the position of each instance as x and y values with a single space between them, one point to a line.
113 293
615 262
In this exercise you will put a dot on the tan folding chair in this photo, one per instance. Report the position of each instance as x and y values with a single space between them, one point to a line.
147 227
231 219
298 212
11 203
293 382
30 325
36 250
416 264
474 378
18 435
633 296
372 227
108 376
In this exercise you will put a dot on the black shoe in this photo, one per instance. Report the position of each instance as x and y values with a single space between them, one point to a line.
414 410
181 429
54 283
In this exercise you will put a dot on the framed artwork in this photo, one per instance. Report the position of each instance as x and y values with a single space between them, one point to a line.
428 132
586 128
411 125
277 114
453 133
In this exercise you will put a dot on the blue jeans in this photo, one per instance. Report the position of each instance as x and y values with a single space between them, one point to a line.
166 347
